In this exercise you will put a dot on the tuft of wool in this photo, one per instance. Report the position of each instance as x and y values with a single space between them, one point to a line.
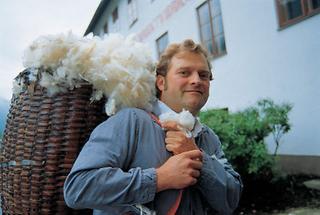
118 68
184 119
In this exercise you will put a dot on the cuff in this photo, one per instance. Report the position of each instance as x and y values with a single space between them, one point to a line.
211 170
149 182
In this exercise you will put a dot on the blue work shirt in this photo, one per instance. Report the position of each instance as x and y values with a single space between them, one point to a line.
116 169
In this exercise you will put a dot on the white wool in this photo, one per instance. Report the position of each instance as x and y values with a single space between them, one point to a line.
184 119
33 75
48 51
118 67
187 120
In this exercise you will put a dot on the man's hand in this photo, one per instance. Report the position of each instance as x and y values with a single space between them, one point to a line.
179 171
176 139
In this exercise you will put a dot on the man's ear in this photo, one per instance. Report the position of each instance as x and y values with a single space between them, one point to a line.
160 82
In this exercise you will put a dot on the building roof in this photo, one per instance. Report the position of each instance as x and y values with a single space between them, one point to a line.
96 17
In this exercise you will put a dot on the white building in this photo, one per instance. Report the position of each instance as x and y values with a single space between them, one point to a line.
261 49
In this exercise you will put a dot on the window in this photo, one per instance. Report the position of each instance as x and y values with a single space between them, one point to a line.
115 15
132 11
162 43
315 4
211 27
115 21
293 11
105 28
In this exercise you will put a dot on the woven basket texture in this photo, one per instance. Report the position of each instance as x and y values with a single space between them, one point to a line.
42 139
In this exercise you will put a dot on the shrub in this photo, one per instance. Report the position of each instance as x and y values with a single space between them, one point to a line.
243 135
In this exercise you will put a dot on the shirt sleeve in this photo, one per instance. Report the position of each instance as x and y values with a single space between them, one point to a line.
220 185
100 178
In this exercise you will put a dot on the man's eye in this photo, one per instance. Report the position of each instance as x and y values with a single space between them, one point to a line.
184 73
204 75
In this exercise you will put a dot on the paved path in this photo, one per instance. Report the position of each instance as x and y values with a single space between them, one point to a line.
313 184
301 211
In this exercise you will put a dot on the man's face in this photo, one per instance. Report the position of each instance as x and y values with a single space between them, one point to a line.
187 82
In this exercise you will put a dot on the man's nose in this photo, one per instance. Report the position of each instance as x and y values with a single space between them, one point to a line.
195 78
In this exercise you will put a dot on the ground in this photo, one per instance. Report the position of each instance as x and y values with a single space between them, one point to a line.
290 195
300 211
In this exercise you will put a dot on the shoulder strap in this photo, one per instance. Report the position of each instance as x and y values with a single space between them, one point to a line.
154 118
175 206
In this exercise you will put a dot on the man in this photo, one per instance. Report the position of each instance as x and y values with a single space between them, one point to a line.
131 161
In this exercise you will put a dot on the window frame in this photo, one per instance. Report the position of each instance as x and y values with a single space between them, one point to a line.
212 55
307 11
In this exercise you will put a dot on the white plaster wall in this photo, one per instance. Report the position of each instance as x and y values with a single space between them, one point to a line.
265 62
261 61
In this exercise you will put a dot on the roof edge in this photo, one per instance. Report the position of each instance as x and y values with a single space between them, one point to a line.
101 8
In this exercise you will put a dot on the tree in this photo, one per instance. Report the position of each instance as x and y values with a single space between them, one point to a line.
276 116
243 134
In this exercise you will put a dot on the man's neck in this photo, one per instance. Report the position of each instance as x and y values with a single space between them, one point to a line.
160 107
168 108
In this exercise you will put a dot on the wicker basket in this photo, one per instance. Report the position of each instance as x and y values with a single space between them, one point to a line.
42 139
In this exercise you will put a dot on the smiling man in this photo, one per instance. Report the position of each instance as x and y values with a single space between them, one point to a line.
132 164
185 82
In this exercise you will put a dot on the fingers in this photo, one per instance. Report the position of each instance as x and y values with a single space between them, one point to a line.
178 145
171 125
175 141
193 181
170 147
180 171
196 164
171 133
194 154
195 173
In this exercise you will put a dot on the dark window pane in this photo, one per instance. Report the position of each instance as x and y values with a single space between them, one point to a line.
209 47
203 12
215 7
165 41
206 31
294 9
115 15
217 25
220 42
291 8
105 28
162 43
315 4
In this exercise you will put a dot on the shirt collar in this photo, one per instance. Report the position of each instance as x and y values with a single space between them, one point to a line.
159 108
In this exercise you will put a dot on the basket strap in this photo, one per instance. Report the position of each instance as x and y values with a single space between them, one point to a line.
155 118
175 206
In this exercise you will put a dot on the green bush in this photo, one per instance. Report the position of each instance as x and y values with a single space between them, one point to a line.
243 134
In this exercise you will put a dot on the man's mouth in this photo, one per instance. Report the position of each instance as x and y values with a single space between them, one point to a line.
194 91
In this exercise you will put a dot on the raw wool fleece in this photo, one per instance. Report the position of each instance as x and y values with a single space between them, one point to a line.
119 68
185 120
